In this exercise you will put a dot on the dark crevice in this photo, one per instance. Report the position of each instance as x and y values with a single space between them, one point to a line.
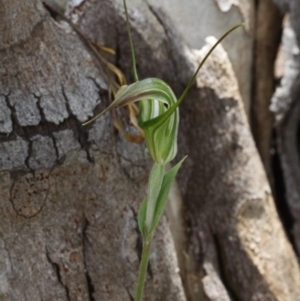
117 51
139 241
101 92
43 128
8 137
56 149
16 130
56 268
89 282
29 155
47 128
91 289
51 12
298 139
80 132
280 192
44 120
221 264
38 104
129 294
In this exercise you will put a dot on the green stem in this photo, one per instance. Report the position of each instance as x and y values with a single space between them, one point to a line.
143 268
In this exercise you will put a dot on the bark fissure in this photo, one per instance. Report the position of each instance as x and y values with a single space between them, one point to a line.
298 139
129 294
81 132
44 128
29 155
221 266
56 148
12 112
89 282
90 286
56 269
139 240
280 197
41 111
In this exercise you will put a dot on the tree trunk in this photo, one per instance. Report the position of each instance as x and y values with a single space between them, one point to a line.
69 194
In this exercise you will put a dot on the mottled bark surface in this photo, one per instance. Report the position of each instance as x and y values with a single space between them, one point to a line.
234 216
69 195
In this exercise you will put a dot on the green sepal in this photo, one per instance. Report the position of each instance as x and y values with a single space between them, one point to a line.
163 194
142 217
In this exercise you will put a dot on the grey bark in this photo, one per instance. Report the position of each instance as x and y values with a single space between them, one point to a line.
69 195
200 19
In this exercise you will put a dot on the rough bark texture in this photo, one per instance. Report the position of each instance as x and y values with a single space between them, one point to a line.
233 216
69 195
286 108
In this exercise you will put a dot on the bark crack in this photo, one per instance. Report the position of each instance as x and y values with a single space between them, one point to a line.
221 265
12 110
280 193
139 241
29 155
38 104
56 269
90 285
129 294
44 120
55 147
80 133
45 128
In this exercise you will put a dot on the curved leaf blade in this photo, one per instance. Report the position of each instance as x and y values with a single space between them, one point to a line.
163 194
142 218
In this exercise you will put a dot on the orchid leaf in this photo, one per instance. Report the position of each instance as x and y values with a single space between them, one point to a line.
142 217
163 195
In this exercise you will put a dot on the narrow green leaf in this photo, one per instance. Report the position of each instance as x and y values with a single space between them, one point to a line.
161 118
163 194
154 186
142 217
